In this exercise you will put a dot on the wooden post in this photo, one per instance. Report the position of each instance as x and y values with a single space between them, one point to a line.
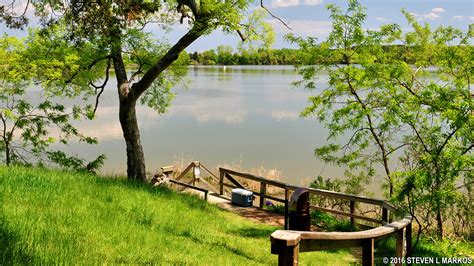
221 182
399 246
288 256
408 236
286 208
384 215
352 207
263 191
368 252
287 246
205 195
194 175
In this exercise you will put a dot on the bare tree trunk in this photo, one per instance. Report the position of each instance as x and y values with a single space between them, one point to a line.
131 134
6 138
439 219
7 153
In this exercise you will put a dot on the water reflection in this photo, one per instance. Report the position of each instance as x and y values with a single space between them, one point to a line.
245 114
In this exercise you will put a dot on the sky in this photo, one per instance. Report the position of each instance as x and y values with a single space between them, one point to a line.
311 18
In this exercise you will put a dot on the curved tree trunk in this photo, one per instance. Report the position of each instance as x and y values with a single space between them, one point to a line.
131 134
128 119
129 94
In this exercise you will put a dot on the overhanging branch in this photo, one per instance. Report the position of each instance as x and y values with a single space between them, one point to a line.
273 16
164 62
101 87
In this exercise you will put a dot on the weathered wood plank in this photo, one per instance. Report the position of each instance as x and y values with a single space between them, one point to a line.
339 195
366 234
352 209
399 246
384 215
235 182
290 238
275 198
186 170
167 169
286 245
368 252
408 239
190 186
221 183
263 191
255 178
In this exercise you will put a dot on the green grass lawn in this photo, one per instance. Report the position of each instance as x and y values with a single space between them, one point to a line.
51 216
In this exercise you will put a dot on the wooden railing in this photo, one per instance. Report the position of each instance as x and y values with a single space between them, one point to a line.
196 167
352 200
206 191
287 244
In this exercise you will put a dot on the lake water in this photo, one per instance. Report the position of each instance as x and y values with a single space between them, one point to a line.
242 115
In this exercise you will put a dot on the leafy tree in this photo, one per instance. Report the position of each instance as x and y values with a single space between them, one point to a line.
111 33
26 124
224 54
414 120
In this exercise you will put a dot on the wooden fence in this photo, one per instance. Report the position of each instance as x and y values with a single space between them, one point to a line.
287 244
195 167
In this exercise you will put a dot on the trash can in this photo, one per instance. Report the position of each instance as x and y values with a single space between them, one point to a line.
298 210
242 197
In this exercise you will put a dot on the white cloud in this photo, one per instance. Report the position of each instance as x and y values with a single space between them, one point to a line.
312 2
314 28
383 19
458 17
290 3
438 10
433 15
284 3
471 18
283 114
429 16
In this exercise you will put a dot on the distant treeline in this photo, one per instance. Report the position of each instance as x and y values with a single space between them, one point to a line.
224 55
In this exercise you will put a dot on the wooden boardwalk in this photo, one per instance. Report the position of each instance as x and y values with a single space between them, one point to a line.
251 213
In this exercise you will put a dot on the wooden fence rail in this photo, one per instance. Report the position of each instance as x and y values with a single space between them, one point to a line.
352 200
206 191
287 244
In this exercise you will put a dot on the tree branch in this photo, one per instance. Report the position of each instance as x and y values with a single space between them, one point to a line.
402 145
89 67
173 53
273 16
446 140
101 87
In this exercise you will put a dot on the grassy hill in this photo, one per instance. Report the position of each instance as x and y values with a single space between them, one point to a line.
51 216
